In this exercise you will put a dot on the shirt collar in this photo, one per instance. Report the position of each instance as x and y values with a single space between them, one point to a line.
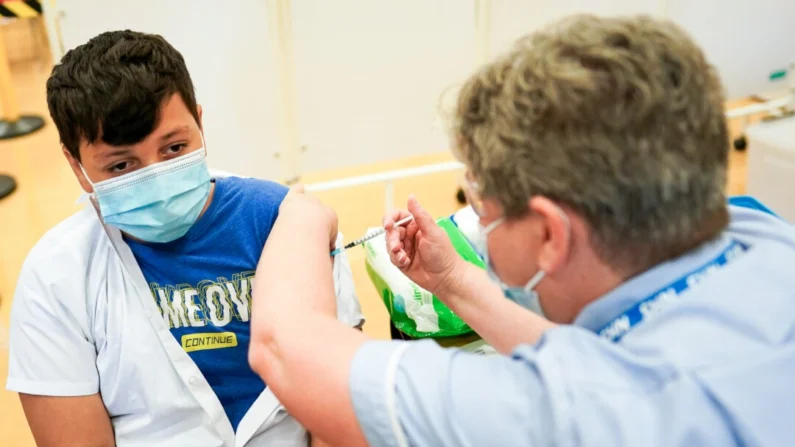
600 312
83 198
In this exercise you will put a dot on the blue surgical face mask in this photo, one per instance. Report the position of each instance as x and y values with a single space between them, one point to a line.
525 296
158 203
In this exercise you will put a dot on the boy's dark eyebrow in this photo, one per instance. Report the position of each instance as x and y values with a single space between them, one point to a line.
115 152
173 132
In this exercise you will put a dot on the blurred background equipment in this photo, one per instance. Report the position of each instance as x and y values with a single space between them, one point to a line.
771 164
12 123
7 185
775 104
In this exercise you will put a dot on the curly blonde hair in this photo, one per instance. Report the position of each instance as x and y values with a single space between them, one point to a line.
620 119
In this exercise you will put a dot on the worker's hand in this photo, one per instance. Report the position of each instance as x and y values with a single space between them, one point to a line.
421 249
302 209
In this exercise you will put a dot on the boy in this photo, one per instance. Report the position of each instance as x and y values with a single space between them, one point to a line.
130 324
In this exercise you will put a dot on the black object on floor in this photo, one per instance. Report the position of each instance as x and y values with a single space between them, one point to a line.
25 125
7 186
741 143
461 197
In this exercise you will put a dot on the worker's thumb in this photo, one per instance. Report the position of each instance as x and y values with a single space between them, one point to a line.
298 188
425 221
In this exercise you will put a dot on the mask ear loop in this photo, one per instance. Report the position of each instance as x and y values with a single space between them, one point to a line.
88 179
535 280
490 227
92 197
204 142
541 273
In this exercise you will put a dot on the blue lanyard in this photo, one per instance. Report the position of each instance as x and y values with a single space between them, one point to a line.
665 296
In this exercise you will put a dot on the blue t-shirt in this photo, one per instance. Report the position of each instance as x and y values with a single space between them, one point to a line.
202 284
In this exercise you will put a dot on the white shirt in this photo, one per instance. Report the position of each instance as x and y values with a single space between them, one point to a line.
83 321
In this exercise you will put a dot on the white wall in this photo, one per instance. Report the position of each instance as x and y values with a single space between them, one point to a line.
746 39
512 19
369 73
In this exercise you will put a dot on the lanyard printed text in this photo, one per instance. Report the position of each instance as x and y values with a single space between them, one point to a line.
668 295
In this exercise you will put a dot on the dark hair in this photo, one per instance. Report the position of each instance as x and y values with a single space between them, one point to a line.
113 88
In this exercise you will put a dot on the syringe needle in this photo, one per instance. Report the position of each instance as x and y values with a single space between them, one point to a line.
369 236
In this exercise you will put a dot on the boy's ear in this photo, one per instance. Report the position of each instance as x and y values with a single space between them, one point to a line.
199 109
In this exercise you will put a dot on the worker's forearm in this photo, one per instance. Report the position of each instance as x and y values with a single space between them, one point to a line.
502 323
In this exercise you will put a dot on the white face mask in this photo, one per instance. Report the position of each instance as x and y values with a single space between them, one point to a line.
525 296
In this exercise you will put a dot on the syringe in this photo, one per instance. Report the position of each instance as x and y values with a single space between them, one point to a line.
369 236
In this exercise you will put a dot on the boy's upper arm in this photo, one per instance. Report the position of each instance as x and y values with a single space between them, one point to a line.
68 421
270 196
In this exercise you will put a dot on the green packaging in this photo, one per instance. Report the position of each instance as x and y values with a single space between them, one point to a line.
413 310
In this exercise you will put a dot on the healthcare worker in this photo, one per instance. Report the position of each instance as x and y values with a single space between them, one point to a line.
131 321
632 306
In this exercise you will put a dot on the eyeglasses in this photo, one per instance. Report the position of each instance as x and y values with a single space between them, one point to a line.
472 193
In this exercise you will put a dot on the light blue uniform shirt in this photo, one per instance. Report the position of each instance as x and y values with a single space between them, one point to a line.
715 368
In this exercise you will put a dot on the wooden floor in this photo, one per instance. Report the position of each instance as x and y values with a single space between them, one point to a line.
47 193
